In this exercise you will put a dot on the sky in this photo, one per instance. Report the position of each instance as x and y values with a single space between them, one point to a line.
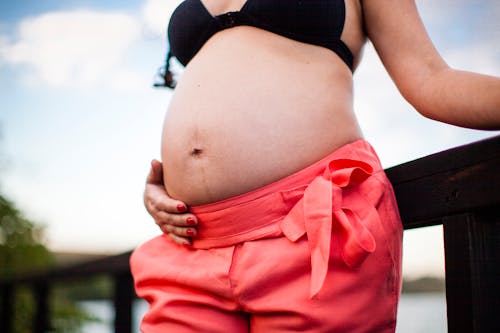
80 121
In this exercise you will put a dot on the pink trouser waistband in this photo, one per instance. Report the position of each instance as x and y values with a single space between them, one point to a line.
315 201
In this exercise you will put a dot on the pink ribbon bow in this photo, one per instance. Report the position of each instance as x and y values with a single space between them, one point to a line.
329 209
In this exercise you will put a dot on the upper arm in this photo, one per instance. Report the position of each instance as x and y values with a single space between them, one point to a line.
400 38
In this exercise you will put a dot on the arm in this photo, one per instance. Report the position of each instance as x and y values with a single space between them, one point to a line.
421 75
169 214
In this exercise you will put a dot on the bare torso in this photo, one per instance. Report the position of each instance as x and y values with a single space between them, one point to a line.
253 107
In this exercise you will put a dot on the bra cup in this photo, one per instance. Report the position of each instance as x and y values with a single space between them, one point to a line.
187 32
317 22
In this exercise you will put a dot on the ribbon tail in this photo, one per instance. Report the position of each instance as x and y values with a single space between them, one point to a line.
318 224
357 241
292 225
319 233
319 268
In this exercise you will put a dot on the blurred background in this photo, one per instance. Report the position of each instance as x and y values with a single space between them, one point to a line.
80 120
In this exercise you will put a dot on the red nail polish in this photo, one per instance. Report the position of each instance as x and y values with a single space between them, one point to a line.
191 221
181 208
190 232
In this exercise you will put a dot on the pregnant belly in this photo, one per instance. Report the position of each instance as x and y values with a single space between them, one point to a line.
236 123
212 155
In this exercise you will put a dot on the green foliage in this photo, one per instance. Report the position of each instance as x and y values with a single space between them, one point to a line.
23 311
21 247
21 252
426 284
67 318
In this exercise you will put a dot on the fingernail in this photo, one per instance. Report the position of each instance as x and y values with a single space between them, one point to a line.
190 232
181 208
191 221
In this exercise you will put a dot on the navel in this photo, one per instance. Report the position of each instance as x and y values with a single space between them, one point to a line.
196 152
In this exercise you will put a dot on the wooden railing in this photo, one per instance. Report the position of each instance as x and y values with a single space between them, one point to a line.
457 188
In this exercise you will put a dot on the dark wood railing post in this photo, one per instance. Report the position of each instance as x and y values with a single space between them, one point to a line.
123 298
7 308
42 313
472 243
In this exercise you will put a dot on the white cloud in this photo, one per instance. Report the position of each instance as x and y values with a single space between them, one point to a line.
156 14
71 48
85 48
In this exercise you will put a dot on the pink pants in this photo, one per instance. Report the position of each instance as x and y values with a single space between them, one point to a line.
317 251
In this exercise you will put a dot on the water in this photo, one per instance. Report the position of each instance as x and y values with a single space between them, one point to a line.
422 313
418 313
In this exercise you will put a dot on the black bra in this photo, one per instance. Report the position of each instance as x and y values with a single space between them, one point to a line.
318 22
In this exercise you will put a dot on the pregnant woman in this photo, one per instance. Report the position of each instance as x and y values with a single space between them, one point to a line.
277 214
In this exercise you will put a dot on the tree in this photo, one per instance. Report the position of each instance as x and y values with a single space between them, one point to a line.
21 247
22 251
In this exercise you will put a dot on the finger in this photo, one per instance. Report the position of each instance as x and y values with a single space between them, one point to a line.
177 235
178 220
157 167
155 175
161 202
179 231
180 240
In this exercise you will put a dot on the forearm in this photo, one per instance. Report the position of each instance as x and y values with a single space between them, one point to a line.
421 75
459 98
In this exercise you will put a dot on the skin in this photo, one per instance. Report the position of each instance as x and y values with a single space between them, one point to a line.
225 93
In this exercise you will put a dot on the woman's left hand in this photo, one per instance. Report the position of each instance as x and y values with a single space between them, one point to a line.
172 216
